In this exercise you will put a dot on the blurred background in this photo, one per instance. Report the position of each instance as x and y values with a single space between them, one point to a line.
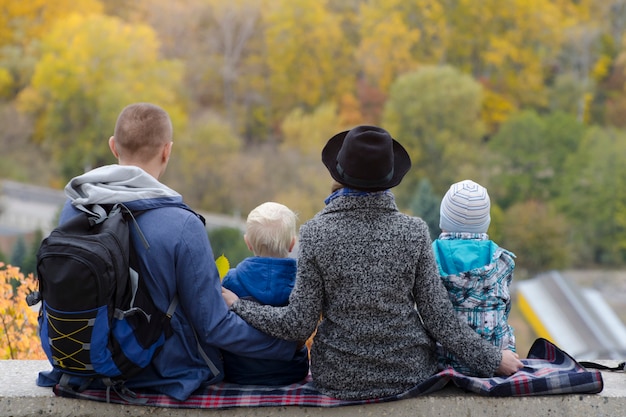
526 97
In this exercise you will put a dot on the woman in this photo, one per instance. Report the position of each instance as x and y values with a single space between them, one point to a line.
369 272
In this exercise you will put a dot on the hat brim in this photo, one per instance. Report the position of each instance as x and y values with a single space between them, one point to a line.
401 163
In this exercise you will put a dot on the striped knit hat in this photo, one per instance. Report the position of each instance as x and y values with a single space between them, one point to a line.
465 208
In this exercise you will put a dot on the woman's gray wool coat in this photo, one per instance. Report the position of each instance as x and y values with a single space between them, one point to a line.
366 269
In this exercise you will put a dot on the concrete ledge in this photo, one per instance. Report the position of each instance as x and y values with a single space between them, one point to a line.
21 397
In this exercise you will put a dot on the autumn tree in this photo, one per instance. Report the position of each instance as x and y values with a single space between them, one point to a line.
221 44
386 42
308 58
585 60
396 36
538 235
18 322
435 113
593 197
425 204
92 66
528 155
307 181
567 94
23 24
613 94
205 165
21 159
234 24
510 49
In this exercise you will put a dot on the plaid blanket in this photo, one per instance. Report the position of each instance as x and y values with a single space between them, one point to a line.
548 370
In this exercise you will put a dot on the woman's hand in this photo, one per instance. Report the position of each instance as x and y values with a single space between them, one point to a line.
229 296
509 364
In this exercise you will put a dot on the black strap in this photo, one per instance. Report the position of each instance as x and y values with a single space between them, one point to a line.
593 365
204 356
64 382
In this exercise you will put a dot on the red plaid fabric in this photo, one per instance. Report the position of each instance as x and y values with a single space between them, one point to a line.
548 370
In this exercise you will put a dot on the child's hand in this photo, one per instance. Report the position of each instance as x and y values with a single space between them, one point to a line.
509 364
229 296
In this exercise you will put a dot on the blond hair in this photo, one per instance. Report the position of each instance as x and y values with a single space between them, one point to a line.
270 230
141 130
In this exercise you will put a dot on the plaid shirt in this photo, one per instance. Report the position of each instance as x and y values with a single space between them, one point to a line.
480 294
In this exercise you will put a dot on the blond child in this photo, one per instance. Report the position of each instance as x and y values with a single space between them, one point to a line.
267 278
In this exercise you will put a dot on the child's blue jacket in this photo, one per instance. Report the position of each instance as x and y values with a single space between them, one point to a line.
267 280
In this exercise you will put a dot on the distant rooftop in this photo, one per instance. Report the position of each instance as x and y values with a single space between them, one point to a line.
25 208
34 193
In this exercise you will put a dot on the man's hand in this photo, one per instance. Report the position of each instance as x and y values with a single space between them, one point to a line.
509 364
229 296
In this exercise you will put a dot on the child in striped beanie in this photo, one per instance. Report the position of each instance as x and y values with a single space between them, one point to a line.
476 271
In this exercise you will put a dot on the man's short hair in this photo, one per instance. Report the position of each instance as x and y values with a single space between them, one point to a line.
142 129
270 229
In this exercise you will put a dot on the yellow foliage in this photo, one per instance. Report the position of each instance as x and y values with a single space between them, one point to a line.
386 44
495 110
91 65
510 47
6 82
308 132
81 52
306 52
18 321
349 110
23 21
222 266
397 36
602 68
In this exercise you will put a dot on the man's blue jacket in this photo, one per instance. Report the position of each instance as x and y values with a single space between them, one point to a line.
178 261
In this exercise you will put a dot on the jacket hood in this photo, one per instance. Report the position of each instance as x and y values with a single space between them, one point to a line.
112 184
464 255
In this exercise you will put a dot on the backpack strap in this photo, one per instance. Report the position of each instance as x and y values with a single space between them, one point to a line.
133 217
174 304
65 382
206 358
172 307
97 213
122 391
594 365
170 312
120 314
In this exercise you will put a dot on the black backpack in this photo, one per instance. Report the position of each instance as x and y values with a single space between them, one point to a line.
97 320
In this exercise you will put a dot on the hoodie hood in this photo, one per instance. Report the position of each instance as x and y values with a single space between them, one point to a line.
458 253
112 184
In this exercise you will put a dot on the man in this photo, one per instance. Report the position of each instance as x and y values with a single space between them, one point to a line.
179 260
